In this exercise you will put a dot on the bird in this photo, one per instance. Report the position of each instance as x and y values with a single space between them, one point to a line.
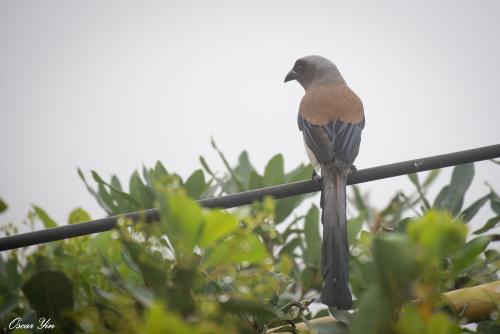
331 119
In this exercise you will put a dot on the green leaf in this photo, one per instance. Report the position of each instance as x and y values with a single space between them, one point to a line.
49 293
3 205
160 170
129 262
402 224
440 198
218 224
312 250
256 181
195 184
180 289
468 253
461 180
8 304
159 320
146 172
300 173
140 192
440 323
44 217
308 276
234 177
107 201
410 321
290 246
182 220
414 179
354 225
284 207
375 313
103 198
431 177
437 234
141 294
259 310
366 239
41 262
115 182
358 200
239 249
495 202
473 209
12 275
292 228
204 164
362 275
491 223
244 168
394 263
78 215
125 201
149 266
109 210
274 172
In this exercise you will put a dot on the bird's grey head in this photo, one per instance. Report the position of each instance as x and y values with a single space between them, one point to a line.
312 70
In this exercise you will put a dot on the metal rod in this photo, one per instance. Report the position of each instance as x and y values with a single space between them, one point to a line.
247 197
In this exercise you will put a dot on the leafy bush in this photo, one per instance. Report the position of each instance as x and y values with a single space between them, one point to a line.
252 268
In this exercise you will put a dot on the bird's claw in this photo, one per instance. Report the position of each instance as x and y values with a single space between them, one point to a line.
316 177
351 170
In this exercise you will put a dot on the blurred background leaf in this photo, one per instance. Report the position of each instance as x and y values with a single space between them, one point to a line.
78 215
44 217
213 271
3 205
451 197
49 293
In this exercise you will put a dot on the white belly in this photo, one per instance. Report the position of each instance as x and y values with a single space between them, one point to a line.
312 158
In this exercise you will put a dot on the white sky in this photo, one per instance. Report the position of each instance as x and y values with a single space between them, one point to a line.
109 85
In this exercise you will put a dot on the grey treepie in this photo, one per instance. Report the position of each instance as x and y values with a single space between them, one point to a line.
331 119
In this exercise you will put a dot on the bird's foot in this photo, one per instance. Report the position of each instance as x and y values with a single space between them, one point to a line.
316 177
342 316
351 170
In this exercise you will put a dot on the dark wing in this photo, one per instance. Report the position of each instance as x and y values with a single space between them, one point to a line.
331 117
336 140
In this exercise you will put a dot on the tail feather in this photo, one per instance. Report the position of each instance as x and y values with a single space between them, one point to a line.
335 248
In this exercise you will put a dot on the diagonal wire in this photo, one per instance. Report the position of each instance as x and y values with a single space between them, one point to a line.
247 197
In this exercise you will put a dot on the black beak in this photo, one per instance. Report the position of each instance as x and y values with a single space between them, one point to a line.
292 75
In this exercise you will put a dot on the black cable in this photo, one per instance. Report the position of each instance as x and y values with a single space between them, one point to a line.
247 197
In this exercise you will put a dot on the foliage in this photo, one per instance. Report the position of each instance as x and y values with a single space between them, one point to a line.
252 268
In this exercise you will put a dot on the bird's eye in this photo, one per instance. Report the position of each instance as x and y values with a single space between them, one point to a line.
299 67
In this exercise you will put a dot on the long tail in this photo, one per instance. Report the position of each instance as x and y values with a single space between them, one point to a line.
335 248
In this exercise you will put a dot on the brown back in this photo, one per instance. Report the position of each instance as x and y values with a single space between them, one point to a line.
323 103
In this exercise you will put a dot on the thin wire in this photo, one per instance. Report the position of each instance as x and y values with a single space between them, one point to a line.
247 197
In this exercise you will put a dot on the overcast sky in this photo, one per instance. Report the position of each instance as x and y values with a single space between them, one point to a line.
110 85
